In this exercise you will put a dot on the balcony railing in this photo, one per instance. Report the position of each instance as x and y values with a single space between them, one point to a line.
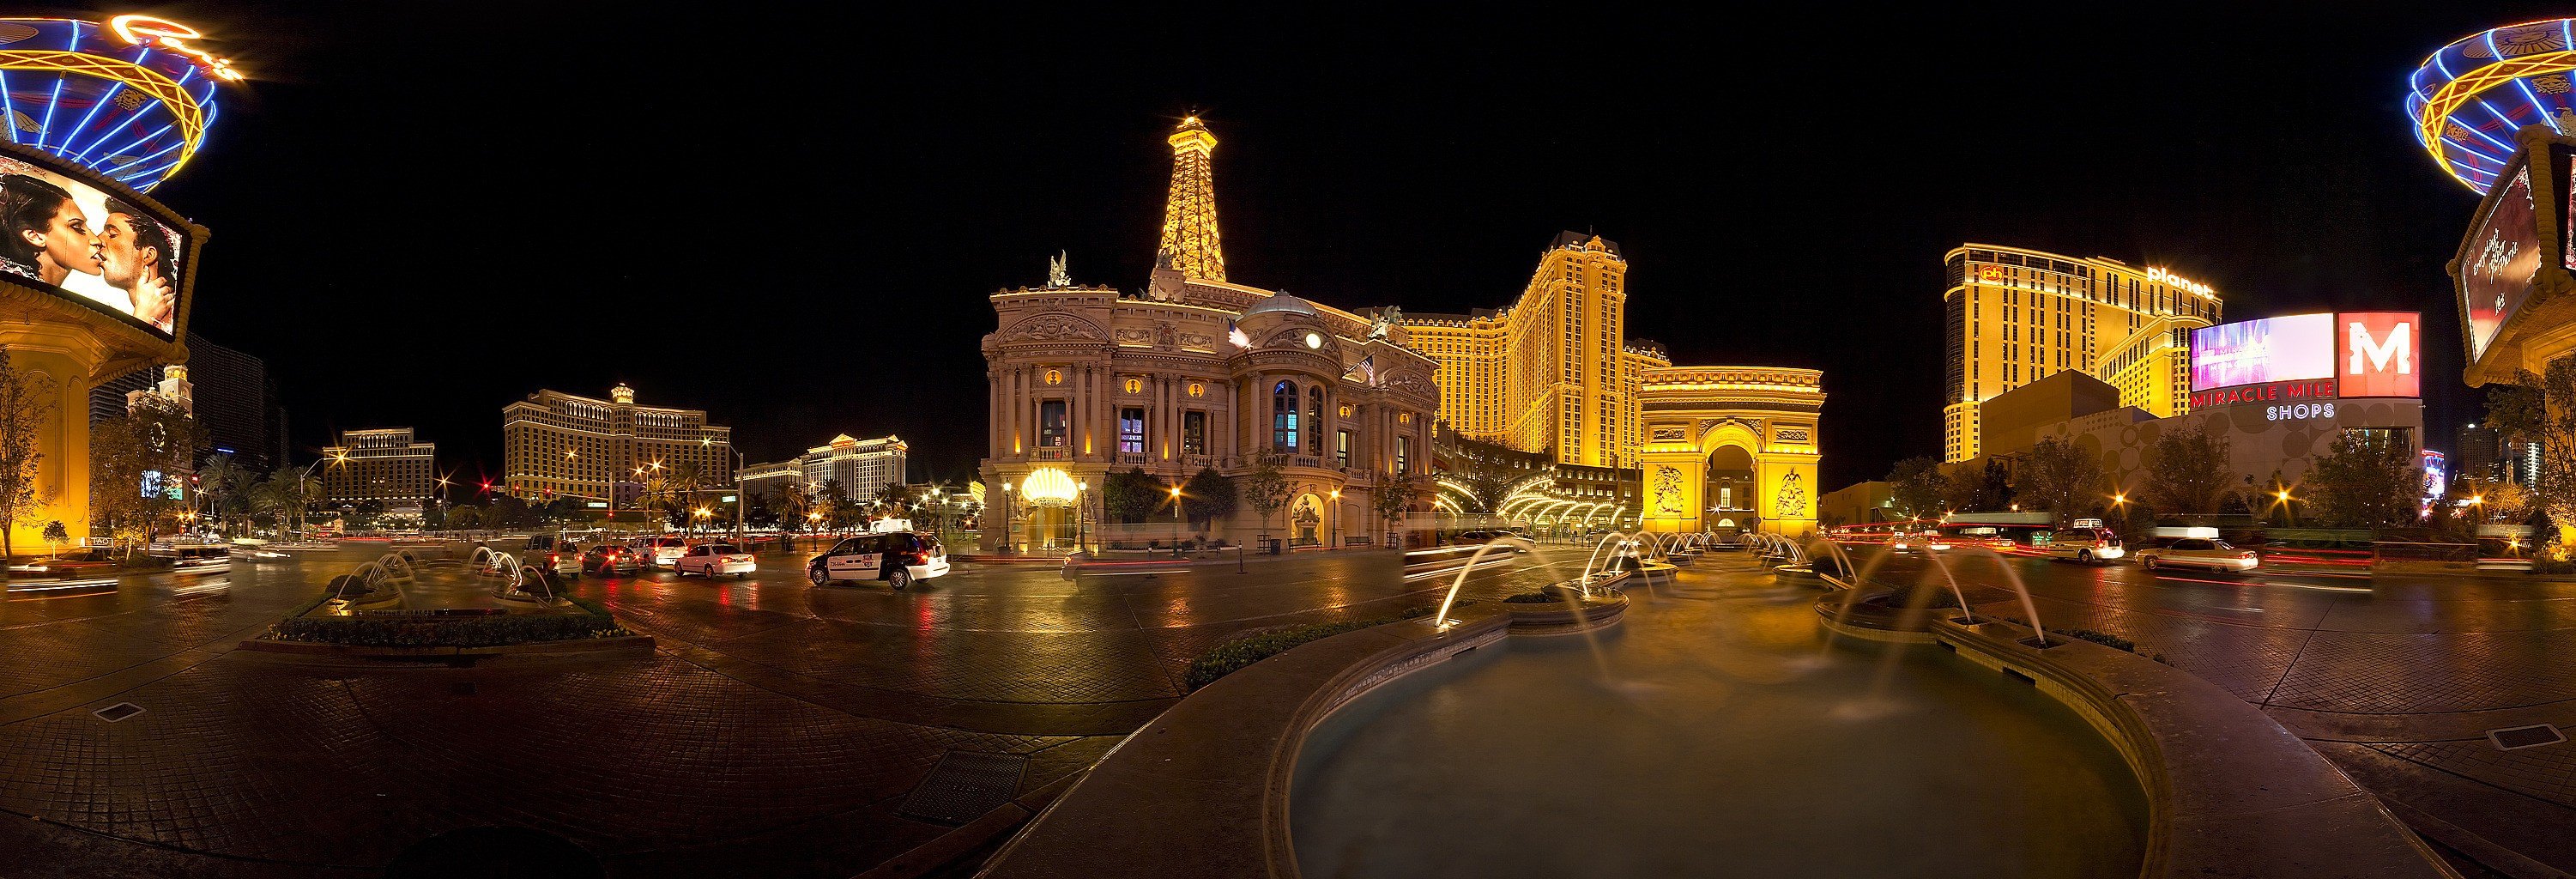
1053 453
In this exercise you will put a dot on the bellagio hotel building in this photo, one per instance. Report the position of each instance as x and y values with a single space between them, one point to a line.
2014 316
1556 371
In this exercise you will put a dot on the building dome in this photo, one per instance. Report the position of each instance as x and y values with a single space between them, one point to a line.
1280 302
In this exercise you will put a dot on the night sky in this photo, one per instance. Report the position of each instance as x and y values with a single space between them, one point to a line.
423 211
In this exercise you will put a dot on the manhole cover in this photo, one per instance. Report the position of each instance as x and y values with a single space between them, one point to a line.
118 711
964 786
2517 738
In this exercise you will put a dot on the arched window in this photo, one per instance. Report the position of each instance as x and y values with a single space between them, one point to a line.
1314 419
1283 417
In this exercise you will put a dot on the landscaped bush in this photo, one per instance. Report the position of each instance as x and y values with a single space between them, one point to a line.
1531 598
1228 657
480 631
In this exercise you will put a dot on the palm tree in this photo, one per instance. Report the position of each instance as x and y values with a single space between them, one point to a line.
790 503
224 480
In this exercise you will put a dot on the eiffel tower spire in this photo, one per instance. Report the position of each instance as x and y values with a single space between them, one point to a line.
1189 214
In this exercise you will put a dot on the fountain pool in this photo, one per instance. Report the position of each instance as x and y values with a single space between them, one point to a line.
1722 742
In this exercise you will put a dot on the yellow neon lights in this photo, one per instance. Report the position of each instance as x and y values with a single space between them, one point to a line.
143 30
2465 88
190 116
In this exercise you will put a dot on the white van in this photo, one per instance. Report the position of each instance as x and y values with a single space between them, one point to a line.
2088 541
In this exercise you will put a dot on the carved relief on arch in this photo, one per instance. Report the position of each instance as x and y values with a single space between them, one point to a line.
1054 328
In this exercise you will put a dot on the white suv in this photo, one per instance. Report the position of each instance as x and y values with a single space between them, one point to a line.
2085 544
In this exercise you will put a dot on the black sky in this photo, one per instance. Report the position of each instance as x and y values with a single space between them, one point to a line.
791 216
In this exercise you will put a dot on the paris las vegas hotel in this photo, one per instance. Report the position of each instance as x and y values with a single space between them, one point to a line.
1198 372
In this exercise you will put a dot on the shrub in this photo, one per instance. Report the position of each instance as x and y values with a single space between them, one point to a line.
1531 598
482 631
1230 656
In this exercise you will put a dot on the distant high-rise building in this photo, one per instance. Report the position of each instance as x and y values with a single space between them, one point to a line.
2017 315
2522 464
1555 371
564 444
383 464
2478 453
233 397
860 466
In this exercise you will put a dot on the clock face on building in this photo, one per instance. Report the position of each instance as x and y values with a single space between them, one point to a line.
1314 340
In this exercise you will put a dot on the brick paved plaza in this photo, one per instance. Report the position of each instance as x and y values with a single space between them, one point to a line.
781 726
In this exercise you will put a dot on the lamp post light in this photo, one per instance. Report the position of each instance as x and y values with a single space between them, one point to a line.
1081 515
1176 521
1337 519
1010 522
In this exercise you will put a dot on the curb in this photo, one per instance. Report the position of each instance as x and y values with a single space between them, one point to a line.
946 849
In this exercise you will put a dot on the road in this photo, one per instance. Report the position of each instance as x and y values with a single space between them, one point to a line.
778 728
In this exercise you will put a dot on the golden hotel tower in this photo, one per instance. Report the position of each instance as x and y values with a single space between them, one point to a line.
1555 371
2014 316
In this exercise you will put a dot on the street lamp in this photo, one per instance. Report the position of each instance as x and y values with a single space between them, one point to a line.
1176 521
1081 515
1337 518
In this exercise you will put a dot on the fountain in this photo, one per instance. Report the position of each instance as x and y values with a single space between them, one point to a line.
1441 620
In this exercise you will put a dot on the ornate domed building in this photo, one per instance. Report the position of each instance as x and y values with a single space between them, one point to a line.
1194 373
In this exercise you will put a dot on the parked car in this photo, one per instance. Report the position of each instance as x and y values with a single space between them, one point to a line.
711 559
2087 544
898 558
609 559
564 560
659 552
2199 552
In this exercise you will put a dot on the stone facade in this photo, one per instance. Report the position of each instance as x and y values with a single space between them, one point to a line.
1194 373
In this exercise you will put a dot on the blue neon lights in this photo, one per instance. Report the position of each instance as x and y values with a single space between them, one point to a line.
2476 146
127 129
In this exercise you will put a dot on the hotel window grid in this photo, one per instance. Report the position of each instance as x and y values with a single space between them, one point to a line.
1314 419
1051 426
1131 430
1283 417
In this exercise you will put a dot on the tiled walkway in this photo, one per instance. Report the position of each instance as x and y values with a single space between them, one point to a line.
2396 678
775 732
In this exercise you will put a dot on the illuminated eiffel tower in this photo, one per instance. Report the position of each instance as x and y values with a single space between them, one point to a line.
1189 215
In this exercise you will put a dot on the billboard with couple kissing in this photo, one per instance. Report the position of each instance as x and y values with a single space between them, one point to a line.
108 250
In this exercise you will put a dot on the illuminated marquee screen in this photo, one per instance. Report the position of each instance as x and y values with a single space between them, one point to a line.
2308 357
2497 261
2276 349
102 249
2377 353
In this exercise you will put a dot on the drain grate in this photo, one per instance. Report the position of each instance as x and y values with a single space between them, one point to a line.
964 786
2519 737
118 711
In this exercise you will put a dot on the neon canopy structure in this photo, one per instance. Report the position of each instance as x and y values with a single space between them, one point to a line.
2467 100
131 98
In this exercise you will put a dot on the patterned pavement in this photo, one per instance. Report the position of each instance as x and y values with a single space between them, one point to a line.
2412 668
776 730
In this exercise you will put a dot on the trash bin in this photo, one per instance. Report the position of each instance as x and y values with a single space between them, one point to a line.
1272 548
